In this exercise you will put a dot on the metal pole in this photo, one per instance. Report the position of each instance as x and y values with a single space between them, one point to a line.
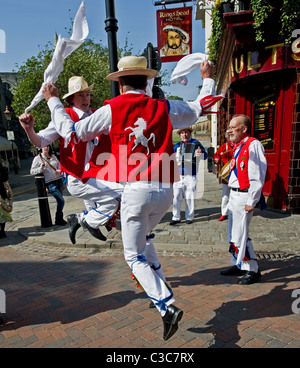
210 154
149 55
111 29
45 214
169 2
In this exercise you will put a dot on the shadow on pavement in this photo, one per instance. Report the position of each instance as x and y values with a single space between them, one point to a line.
46 292
276 302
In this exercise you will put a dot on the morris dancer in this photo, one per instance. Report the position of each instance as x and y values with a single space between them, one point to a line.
147 191
246 179
73 159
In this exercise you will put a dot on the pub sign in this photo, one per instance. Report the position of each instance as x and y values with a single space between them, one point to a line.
174 33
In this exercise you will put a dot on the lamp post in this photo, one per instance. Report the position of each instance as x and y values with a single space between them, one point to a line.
111 29
8 114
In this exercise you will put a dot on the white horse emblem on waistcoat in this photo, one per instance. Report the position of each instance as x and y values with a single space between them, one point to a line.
139 136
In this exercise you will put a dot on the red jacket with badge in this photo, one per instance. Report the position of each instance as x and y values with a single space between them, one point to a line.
240 164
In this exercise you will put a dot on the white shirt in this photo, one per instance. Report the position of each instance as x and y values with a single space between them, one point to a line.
182 114
49 134
49 173
257 168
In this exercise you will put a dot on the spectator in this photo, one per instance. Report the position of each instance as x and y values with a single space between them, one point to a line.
6 198
47 164
188 151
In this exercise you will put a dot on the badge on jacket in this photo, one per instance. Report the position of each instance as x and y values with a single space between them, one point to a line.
232 163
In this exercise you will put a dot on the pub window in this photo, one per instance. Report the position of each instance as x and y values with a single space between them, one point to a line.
264 121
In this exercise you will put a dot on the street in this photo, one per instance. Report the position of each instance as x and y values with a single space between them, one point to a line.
60 295
58 300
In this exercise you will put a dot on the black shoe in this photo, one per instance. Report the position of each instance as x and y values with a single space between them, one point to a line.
250 278
174 222
73 227
189 222
232 271
95 232
108 228
59 220
170 320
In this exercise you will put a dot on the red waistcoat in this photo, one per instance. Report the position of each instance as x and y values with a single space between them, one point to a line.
242 164
141 142
72 157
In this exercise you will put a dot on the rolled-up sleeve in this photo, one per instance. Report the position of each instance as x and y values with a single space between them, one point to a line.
48 135
61 120
85 129
183 114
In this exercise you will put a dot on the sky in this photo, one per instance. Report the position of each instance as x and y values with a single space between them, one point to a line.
30 24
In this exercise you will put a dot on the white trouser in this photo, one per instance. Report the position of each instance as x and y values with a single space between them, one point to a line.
101 199
225 199
77 189
238 231
184 189
143 206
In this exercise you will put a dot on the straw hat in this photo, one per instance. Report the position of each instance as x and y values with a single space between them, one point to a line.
77 84
132 65
189 128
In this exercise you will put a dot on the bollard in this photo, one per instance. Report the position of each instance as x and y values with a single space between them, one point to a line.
210 156
45 214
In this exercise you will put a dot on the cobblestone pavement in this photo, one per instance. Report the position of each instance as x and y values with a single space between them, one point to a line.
65 296
88 299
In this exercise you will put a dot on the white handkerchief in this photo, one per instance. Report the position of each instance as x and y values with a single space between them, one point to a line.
64 47
149 87
185 66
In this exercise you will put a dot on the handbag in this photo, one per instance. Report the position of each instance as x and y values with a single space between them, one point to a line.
7 203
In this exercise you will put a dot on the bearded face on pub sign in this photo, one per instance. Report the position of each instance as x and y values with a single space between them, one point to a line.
177 42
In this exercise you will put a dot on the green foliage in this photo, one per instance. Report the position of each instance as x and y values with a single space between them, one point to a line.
261 11
290 18
169 97
217 31
32 77
90 60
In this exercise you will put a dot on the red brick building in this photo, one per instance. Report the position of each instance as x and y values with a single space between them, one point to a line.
262 80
